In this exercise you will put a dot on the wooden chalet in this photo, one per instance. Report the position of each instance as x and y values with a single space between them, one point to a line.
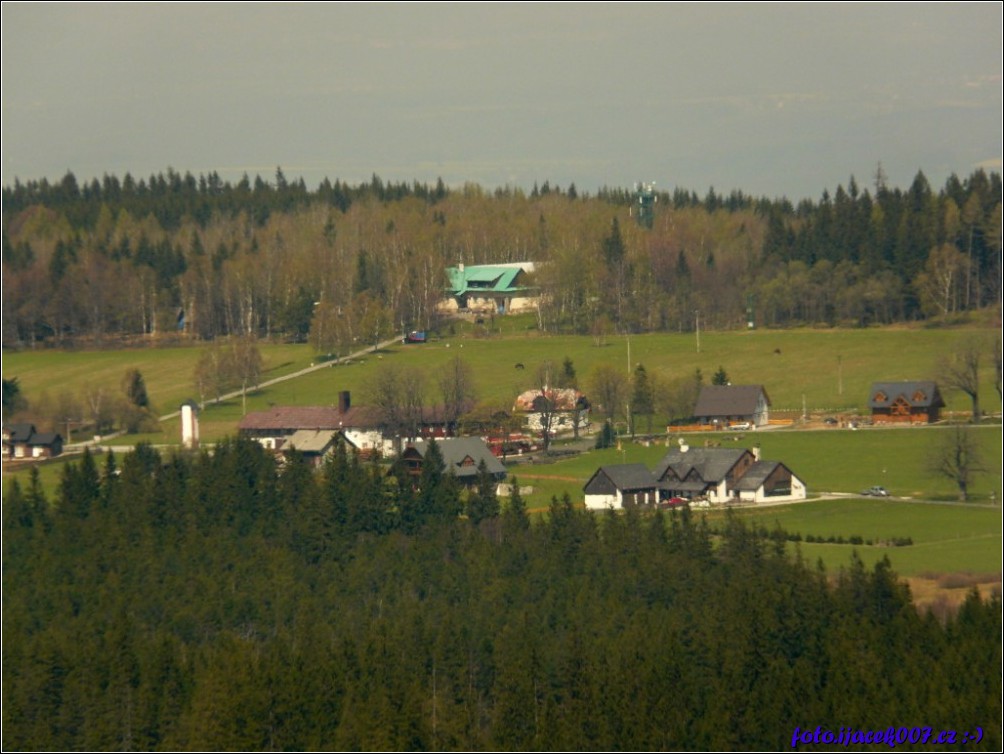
917 402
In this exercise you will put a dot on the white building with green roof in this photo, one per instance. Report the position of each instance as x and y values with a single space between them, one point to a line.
490 288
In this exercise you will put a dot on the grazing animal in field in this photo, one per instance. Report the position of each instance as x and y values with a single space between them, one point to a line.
520 366
777 351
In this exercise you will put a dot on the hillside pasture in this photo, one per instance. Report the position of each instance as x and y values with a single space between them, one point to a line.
828 371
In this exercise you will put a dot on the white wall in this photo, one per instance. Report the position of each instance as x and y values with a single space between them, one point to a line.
603 502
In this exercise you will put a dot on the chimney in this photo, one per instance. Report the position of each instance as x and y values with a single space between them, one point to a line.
756 452
344 402
683 445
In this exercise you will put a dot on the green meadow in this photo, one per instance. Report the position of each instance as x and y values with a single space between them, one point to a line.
830 460
825 370
946 537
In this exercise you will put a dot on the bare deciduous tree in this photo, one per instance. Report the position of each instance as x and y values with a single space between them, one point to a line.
544 405
456 385
607 386
958 458
961 371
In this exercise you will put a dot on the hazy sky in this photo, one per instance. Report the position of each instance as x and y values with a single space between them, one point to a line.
773 99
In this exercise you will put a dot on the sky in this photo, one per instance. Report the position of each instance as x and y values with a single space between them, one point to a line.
771 99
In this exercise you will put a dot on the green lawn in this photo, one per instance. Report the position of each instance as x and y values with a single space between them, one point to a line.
167 372
824 370
946 537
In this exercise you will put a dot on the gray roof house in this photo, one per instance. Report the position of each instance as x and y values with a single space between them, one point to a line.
314 444
718 475
620 486
726 475
917 401
725 405
712 472
769 480
21 440
461 456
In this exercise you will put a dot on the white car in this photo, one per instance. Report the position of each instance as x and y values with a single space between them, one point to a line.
876 491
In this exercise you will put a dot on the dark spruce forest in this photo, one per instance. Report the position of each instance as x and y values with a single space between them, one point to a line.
207 602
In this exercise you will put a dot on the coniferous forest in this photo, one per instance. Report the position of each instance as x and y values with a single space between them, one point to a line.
200 257
208 601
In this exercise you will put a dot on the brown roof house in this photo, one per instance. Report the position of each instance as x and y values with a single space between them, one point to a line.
730 405
276 427
917 402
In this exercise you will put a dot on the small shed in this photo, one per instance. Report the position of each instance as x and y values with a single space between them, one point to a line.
909 402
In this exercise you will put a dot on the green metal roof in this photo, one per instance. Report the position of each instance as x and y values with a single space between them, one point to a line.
484 278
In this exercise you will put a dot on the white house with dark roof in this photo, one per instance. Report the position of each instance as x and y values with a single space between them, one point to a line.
621 485
22 441
726 405
769 481
711 473
718 475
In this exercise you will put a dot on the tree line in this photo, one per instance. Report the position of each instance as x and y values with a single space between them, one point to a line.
343 265
210 601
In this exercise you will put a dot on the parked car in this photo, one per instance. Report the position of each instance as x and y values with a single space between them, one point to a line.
741 426
876 491
673 502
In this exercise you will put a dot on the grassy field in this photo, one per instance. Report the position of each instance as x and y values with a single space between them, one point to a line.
167 372
825 370
830 460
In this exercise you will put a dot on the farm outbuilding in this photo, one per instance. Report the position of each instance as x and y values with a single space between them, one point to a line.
726 405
